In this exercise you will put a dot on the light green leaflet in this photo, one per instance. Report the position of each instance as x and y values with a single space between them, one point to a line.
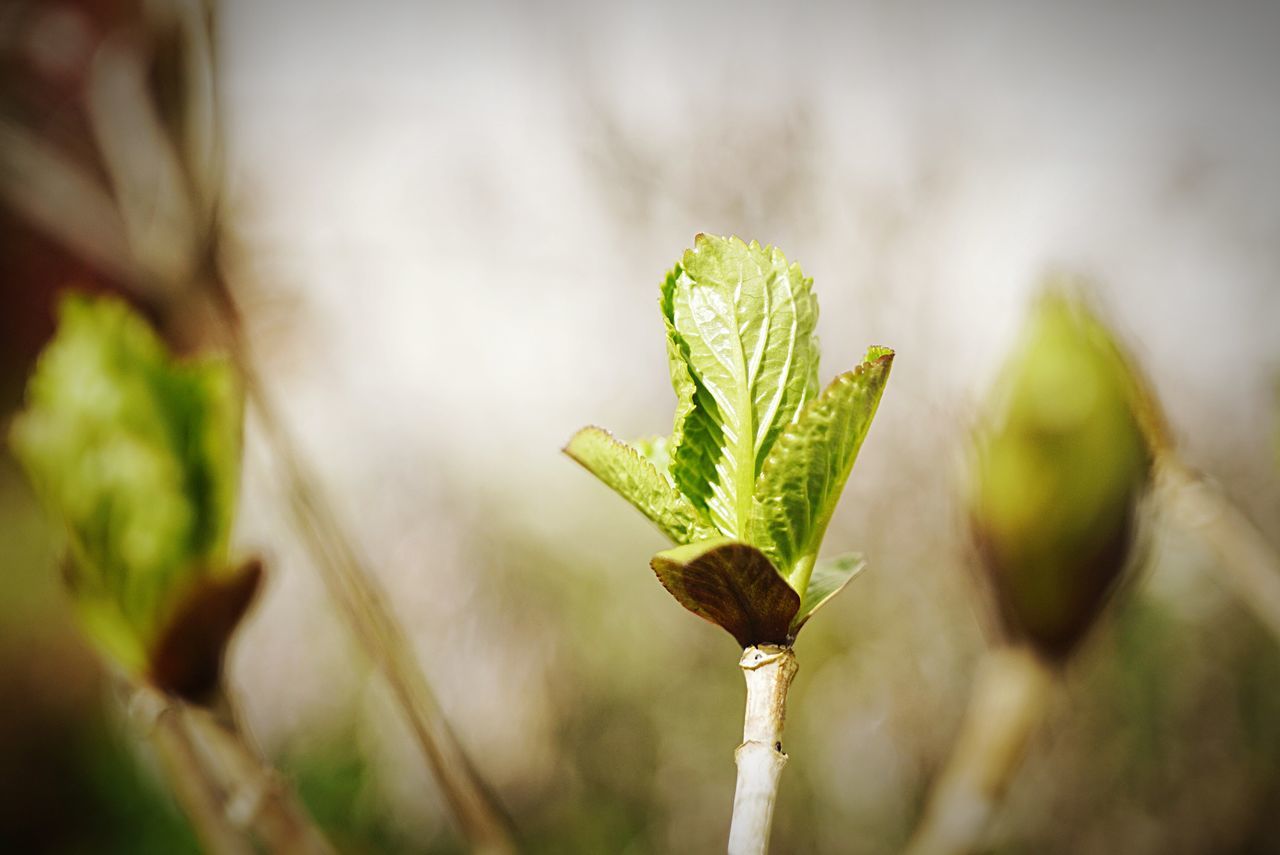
804 476
757 458
639 482
139 455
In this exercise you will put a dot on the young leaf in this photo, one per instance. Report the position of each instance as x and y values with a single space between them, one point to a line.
829 577
733 585
138 455
639 482
697 440
744 360
803 477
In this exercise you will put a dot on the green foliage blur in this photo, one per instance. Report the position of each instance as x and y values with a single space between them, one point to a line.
1059 471
138 455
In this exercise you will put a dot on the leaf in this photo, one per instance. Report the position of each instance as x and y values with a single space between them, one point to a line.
733 585
804 476
743 360
138 455
696 439
829 577
639 482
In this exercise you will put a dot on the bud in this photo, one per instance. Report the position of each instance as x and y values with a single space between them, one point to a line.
138 455
1059 470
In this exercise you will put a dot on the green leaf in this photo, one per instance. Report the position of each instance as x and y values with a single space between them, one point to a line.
639 482
744 361
829 577
697 440
733 585
138 455
804 476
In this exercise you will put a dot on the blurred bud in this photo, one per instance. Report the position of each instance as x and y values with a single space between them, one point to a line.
1060 467
138 455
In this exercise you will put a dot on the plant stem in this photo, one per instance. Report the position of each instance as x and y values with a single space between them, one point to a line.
350 582
256 796
1008 701
196 789
1250 565
768 670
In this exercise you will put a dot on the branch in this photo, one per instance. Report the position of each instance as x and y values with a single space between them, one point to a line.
1250 565
1008 702
257 797
197 790
350 582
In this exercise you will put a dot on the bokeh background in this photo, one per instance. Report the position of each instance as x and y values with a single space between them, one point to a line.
447 224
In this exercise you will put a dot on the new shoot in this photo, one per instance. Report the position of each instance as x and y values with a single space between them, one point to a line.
747 481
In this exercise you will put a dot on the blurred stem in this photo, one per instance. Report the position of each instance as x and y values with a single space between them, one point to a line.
351 584
256 796
224 786
196 789
1008 701
1250 565
128 242
768 670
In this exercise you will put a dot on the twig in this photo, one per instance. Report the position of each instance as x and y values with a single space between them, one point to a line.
1250 565
256 797
768 670
60 197
197 790
136 249
1008 702
351 585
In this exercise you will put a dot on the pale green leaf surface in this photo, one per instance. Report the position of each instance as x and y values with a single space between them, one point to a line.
804 476
631 476
741 331
829 577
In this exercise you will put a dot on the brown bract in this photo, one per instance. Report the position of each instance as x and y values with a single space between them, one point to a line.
734 586
187 658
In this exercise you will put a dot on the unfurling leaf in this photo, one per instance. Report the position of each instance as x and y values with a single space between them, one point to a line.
734 586
639 482
829 577
744 359
803 477
138 454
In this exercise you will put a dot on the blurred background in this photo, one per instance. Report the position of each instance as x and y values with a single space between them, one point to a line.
446 225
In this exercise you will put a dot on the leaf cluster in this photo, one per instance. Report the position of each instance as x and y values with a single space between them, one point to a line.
747 481
138 455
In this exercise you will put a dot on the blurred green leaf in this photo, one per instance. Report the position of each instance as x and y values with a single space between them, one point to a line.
639 482
733 585
1058 475
806 472
138 455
